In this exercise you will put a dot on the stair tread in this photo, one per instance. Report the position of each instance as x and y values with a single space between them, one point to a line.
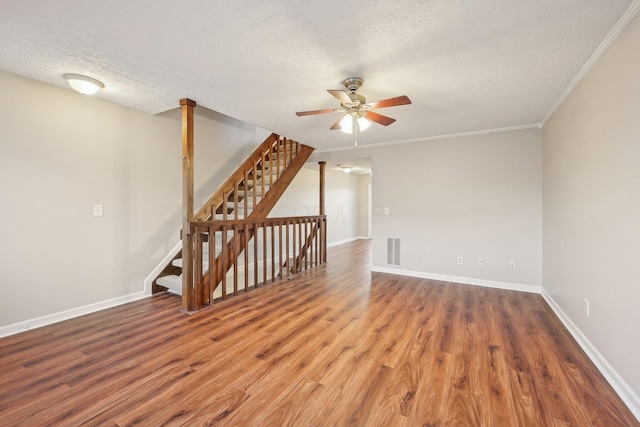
172 282
178 263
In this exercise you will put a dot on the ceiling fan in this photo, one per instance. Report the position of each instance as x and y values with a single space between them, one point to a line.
357 113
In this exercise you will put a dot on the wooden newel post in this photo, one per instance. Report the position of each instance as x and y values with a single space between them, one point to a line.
323 227
188 302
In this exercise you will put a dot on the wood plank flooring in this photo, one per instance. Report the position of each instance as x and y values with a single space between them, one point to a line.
336 346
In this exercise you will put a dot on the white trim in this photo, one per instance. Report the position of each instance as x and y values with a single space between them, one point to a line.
342 242
458 279
49 319
430 138
156 271
613 35
615 380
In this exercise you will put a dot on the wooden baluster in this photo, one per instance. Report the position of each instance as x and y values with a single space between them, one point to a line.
197 266
246 194
316 239
300 243
284 145
264 253
293 247
288 243
311 243
225 208
300 239
323 243
255 255
246 257
262 177
307 234
255 184
291 155
271 167
235 199
306 252
212 263
280 248
273 253
224 261
278 159
235 259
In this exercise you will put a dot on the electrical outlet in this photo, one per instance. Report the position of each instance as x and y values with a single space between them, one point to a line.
479 262
460 260
587 308
386 210
512 265
98 210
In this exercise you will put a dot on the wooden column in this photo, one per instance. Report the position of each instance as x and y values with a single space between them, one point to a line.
323 229
188 302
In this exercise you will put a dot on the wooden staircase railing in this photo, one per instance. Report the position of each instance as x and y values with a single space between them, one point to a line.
268 249
238 210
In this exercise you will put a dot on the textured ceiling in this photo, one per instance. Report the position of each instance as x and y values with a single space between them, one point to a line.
467 65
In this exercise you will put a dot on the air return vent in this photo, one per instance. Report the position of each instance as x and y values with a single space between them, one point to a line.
393 251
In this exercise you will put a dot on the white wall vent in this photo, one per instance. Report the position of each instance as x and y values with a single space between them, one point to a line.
393 251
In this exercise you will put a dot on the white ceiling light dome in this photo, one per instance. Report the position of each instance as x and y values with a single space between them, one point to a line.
83 84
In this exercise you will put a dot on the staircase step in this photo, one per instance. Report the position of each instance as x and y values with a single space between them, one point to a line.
178 263
173 283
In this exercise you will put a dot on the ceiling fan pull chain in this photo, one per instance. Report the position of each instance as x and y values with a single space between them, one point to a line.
355 125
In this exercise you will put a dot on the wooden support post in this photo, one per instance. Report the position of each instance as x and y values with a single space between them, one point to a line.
323 230
188 302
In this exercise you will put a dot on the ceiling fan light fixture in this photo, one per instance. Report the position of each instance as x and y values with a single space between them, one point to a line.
346 124
363 123
83 84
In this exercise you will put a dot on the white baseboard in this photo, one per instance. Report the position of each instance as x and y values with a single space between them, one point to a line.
628 396
342 242
458 279
49 319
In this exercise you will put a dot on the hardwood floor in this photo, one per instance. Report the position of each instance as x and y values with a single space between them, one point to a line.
336 346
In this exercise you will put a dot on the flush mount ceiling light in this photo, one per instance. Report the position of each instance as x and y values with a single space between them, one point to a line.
346 169
83 84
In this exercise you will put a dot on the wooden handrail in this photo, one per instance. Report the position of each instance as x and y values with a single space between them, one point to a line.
239 175
240 223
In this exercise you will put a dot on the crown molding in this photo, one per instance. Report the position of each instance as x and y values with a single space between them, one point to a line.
595 57
431 138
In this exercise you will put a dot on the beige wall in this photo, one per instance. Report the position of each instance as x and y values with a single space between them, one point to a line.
592 206
61 153
364 182
474 196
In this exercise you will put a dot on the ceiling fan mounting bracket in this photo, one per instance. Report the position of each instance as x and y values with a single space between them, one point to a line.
353 83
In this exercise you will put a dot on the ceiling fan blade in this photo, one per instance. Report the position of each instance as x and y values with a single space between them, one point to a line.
310 113
336 125
340 96
379 118
391 102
